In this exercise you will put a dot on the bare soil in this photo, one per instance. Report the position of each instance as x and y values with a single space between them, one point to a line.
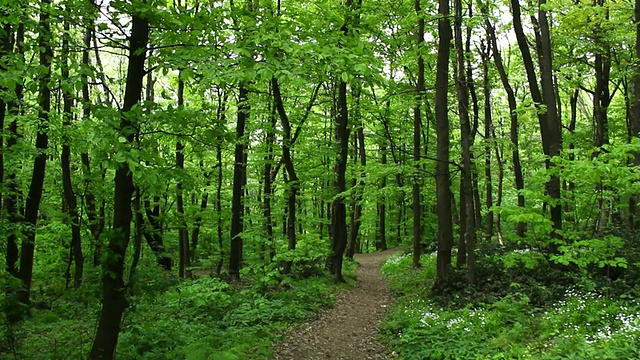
348 330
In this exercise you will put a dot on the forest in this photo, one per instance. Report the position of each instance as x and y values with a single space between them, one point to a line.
191 179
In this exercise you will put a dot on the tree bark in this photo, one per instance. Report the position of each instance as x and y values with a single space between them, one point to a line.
339 211
382 204
292 183
545 103
11 199
417 123
239 171
486 86
197 223
183 232
634 121
553 133
221 117
65 161
466 184
443 194
361 157
513 133
34 197
601 101
95 222
268 184
114 300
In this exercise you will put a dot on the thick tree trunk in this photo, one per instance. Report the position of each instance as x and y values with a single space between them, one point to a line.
239 170
339 211
553 133
545 103
34 197
443 193
466 184
114 301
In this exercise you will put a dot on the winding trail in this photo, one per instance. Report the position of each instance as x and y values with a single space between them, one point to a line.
348 330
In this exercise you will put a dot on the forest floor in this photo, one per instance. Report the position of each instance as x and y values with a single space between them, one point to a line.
348 330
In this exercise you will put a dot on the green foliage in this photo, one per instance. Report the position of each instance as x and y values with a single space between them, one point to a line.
577 325
601 252
199 319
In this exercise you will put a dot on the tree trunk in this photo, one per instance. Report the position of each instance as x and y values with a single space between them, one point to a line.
359 150
239 170
94 220
138 222
197 223
12 195
114 300
382 204
417 123
634 121
221 117
34 197
552 132
183 231
499 196
65 161
154 235
443 194
268 182
339 211
466 184
601 101
511 99
486 86
292 180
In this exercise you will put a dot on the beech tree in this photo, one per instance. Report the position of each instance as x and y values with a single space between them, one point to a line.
114 299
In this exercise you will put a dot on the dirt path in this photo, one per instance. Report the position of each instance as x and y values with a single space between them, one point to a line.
348 330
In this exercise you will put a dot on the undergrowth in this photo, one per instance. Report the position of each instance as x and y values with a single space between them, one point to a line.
203 318
574 318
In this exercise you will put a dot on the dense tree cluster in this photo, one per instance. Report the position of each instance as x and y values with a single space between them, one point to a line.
239 134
